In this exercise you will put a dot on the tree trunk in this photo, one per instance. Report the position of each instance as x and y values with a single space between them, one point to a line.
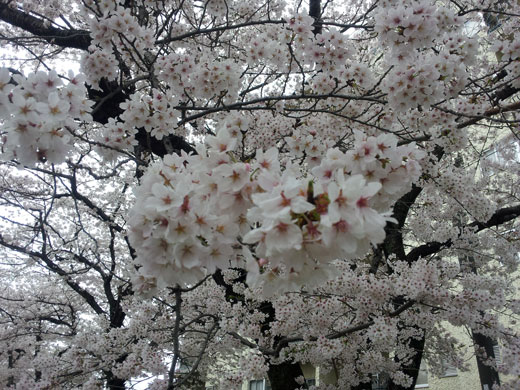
37 373
117 317
282 376
315 12
363 386
114 383
412 369
488 374
194 382
10 364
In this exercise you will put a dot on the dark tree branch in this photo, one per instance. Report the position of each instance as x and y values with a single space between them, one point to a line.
75 39
52 266
489 113
394 238
315 12
56 321
500 217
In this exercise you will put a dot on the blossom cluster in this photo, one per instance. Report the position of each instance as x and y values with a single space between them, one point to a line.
301 25
383 329
118 20
421 77
154 112
39 114
456 183
509 51
358 74
253 366
175 70
268 48
116 27
426 80
327 54
197 213
115 137
330 50
97 64
408 25
217 8
355 297
216 79
208 79
309 144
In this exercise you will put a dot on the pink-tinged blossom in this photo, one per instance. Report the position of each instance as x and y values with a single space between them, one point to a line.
164 198
5 89
304 148
188 253
39 114
25 108
55 109
268 160
222 142
218 256
282 234
232 177
293 219
288 197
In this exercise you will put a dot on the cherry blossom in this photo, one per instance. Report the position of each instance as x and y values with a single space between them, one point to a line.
229 190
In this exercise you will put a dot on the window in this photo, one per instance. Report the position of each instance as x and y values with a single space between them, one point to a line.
422 378
498 356
502 156
263 384
256 384
448 369
379 381
259 384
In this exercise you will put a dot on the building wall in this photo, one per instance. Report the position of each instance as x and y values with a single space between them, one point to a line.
462 380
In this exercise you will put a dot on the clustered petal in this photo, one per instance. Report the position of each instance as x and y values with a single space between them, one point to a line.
197 213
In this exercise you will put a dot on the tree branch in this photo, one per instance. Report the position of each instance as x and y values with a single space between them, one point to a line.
488 114
52 266
501 216
75 39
